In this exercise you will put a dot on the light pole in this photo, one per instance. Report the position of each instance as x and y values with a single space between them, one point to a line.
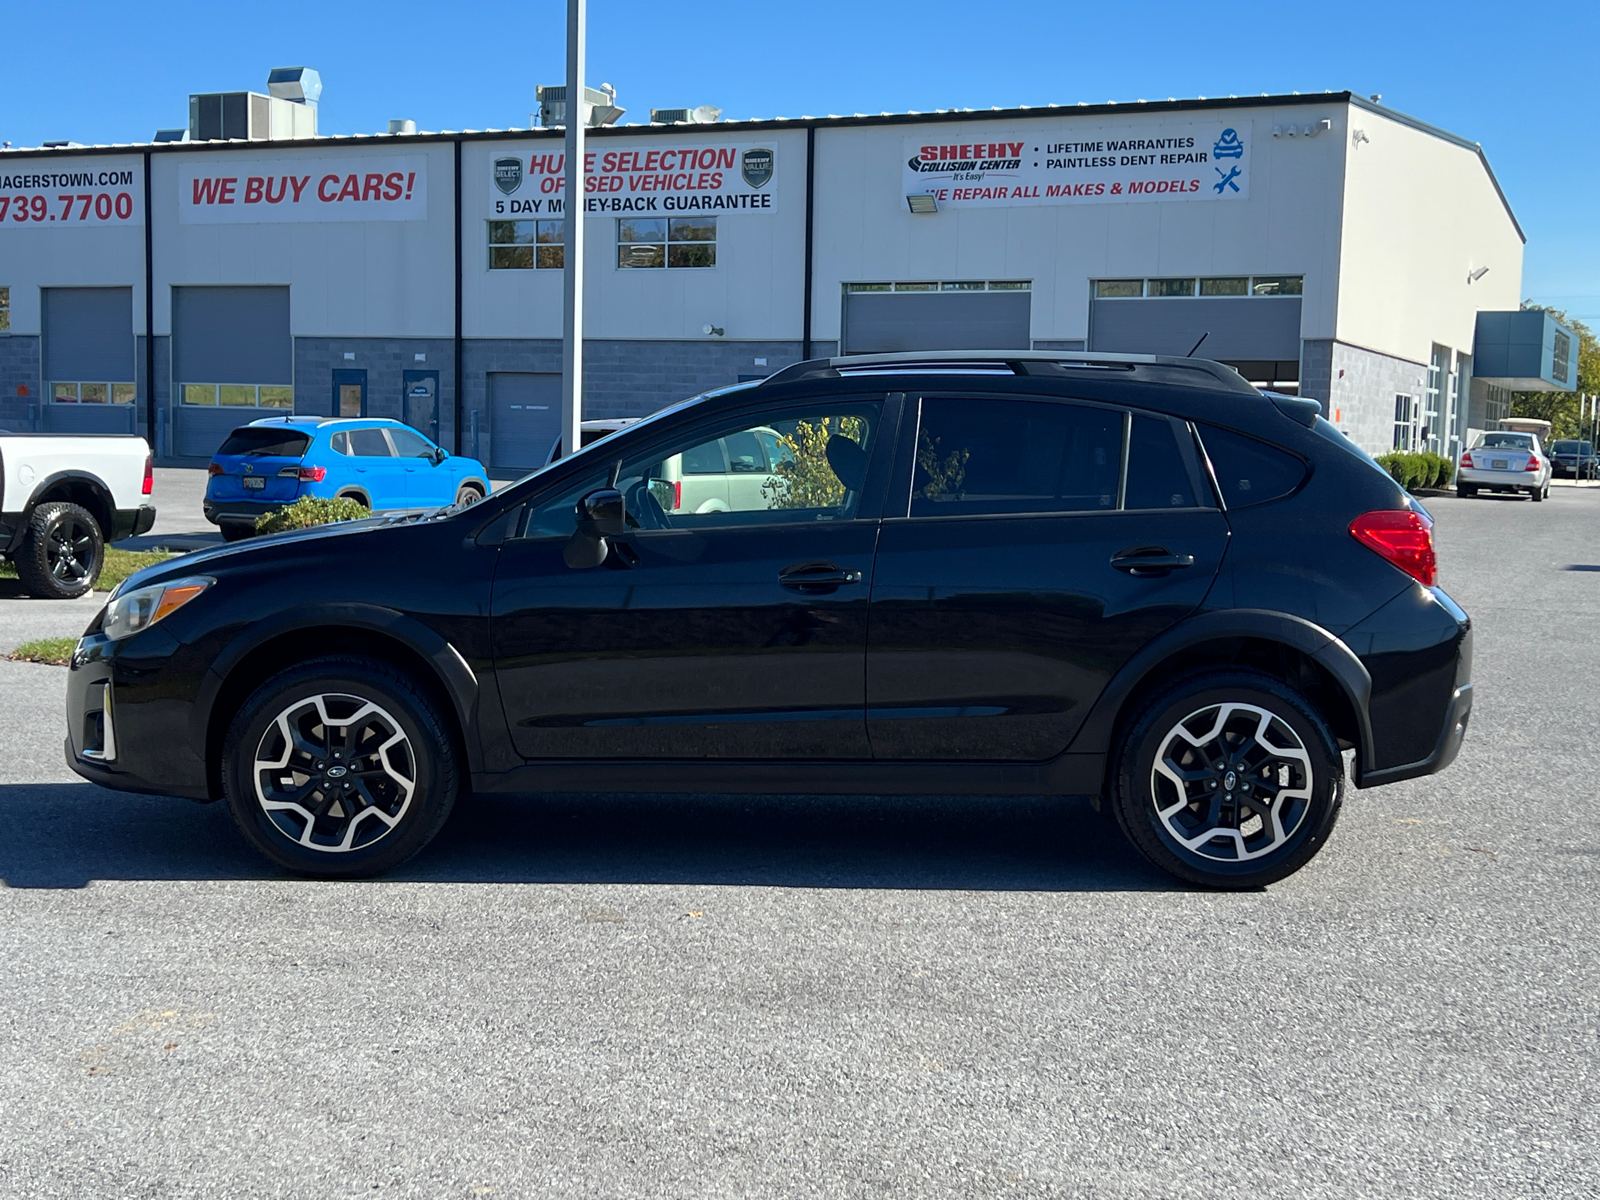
572 250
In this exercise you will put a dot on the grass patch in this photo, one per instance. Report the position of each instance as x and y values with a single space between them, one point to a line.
55 651
118 566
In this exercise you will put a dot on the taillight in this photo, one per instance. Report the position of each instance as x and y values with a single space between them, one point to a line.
677 484
216 467
149 476
1466 459
314 474
1533 459
1402 536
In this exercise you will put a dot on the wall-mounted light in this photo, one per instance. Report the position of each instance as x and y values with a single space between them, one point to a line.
712 331
350 355
1474 276
922 205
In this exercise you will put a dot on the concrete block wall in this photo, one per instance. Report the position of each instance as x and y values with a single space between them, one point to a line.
1362 388
19 382
385 360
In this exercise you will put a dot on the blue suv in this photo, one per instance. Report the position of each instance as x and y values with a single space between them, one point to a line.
386 465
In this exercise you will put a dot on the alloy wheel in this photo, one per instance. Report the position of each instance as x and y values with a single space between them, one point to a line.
335 772
1231 782
70 551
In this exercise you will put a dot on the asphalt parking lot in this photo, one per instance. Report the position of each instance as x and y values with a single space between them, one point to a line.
636 996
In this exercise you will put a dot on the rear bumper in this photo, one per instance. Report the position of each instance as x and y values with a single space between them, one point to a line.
239 512
1510 480
131 522
1453 733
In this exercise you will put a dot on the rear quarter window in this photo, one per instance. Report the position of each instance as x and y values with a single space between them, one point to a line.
1249 471
266 443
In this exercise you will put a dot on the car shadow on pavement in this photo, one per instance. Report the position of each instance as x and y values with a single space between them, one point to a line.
67 834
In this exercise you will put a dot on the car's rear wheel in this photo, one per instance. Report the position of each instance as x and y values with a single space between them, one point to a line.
340 768
62 552
1466 490
1228 779
1538 494
237 533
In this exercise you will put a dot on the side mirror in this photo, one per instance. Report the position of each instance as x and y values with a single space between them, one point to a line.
601 514
439 455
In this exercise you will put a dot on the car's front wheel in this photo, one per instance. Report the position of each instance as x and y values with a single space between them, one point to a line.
340 768
468 494
62 552
1228 779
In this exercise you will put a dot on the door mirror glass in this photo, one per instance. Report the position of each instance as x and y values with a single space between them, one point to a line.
600 515
439 455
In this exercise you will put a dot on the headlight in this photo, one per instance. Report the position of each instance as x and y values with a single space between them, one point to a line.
141 608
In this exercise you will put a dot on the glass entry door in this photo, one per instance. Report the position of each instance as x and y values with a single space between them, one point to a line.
349 393
421 407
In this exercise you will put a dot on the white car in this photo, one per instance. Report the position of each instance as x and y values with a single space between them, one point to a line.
63 497
1504 462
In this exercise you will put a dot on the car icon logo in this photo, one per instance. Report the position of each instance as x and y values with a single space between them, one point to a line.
1230 781
336 772
249 470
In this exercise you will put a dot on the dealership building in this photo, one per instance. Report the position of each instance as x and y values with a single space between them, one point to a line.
1322 244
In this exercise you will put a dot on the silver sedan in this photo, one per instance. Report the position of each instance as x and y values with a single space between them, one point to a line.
1504 462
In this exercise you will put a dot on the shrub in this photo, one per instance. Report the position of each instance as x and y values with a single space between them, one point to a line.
309 511
1447 471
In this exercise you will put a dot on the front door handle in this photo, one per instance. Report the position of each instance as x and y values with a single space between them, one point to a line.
816 578
1146 561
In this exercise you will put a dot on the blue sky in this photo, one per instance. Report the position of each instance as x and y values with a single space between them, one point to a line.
1520 81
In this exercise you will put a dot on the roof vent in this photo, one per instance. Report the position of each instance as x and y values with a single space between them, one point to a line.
402 125
61 145
601 105
303 85
706 114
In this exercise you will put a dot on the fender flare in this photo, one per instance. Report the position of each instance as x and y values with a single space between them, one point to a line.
450 668
1322 647
97 485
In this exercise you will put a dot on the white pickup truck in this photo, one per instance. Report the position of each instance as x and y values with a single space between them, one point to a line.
62 498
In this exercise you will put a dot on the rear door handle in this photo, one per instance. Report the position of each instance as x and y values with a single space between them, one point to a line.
1150 560
816 578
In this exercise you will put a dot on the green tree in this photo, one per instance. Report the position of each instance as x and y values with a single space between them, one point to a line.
804 479
1561 408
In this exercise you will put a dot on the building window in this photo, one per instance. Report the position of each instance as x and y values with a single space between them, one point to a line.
962 285
5 310
1169 287
524 245
666 241
1277 285
92 393
1404 421
1107 289
1234 285
238 395
1559 362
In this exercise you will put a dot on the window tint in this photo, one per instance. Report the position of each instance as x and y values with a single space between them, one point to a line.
1014 456
369 443
260 442
1157 477
814 471
1248 471
340 443
410 444
1506 441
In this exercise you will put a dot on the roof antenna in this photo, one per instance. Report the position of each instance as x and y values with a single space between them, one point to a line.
1196 346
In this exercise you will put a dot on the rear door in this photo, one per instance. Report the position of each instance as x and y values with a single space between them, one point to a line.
259 462
1025 564
377 471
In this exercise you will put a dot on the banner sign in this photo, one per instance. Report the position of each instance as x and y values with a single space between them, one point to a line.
1068 162
83 192
219 189
647 179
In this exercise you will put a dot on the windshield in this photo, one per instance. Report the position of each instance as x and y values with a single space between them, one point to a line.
1506 441
255 442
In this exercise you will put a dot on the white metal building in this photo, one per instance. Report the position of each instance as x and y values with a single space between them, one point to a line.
1320 243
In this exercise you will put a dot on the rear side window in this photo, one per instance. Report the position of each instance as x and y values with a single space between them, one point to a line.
705 459
369 443
1157 477
978 456
258 442
1248 471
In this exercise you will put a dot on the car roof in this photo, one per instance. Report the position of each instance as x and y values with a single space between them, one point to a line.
334 423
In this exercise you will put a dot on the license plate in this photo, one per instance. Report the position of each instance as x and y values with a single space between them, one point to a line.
254 482
1497 464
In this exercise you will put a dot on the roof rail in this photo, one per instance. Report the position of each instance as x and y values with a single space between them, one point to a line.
1142 368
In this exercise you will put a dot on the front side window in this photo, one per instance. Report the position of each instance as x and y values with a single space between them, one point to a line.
410 444
986 456
803 465
648 242
526 245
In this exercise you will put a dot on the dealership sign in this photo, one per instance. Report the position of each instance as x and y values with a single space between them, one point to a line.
1067 162
218 189
71 195
645 179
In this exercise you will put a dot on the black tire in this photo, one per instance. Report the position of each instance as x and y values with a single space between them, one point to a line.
237 533
467 495
345 842
1536 494
1465 491
61 553
1307 779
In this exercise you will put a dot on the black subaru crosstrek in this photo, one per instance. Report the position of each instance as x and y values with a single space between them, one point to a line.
1137 580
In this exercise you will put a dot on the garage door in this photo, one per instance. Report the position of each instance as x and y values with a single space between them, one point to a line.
231 349
883 322
524 418
1258 328
88 360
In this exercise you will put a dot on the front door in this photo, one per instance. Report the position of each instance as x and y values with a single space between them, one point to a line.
421 408
349 393
1008 587
734 632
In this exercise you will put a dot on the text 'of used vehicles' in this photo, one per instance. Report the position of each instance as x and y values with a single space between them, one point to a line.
63 499
1132 579
384 465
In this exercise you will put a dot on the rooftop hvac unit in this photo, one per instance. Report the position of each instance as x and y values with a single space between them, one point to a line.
302 85
706 114
601 105
249 117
